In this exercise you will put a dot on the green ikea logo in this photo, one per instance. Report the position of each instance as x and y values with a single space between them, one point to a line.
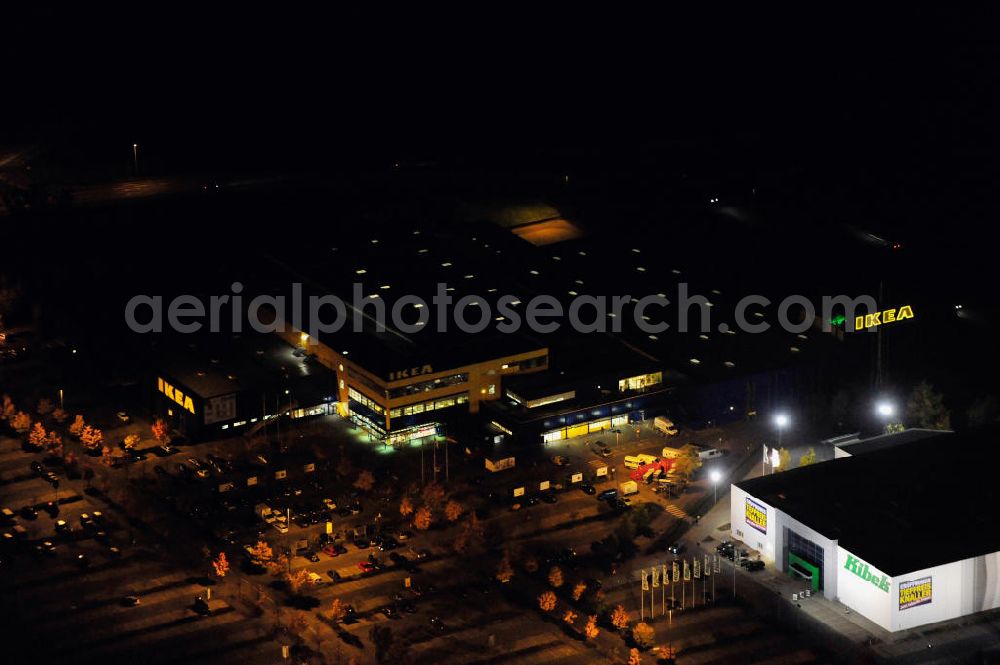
860 568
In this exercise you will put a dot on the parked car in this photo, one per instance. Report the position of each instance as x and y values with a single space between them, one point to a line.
675 548
560 460
753 565
599 449
607 494
366 566
549 497
123 417
333 575
587 488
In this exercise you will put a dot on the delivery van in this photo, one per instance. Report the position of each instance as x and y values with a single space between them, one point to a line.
635 461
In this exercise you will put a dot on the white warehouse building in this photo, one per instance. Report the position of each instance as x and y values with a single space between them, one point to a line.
891 530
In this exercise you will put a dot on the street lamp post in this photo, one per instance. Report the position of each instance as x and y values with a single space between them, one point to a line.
885 411
781 421
716 477
135 158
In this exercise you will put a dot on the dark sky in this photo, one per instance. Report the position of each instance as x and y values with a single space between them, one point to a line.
886 120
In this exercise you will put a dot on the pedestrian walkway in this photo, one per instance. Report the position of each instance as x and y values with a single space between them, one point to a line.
676 511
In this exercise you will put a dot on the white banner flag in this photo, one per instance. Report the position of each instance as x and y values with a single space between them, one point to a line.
765 455
708 568
666 575
697 568
645 580
656 577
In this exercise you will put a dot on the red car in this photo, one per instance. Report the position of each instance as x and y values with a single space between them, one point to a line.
366 566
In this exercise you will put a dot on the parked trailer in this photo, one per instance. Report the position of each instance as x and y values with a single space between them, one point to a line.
635 461
598 469
499 464
665 426
628 487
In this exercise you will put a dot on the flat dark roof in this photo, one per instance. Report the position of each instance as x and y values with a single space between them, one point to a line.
883 441
901 508
214 365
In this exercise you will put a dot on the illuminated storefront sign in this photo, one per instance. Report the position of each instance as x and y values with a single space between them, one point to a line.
881 318
861 569
914 592
410 373
756 515
175 394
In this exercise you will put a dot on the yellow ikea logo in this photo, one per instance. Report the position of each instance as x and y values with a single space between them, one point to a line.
175 394
880 318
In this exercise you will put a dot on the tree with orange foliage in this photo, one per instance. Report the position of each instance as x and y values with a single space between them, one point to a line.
7 410
296 580
591 631
261 553
130 441
569 617
579 589
365 481
619 617
643 635
54 444
555 577
21 422
433 495
111 457
91 437
77 426
44 407
453 510
405 507
505 572
161 432
633 657
59 415
338 610
37 436
220 565
422 518
547 601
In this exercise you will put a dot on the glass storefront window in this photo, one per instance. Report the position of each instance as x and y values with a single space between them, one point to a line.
640 382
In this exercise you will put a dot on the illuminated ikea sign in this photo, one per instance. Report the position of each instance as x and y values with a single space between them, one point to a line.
880 318
175 394
410 373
